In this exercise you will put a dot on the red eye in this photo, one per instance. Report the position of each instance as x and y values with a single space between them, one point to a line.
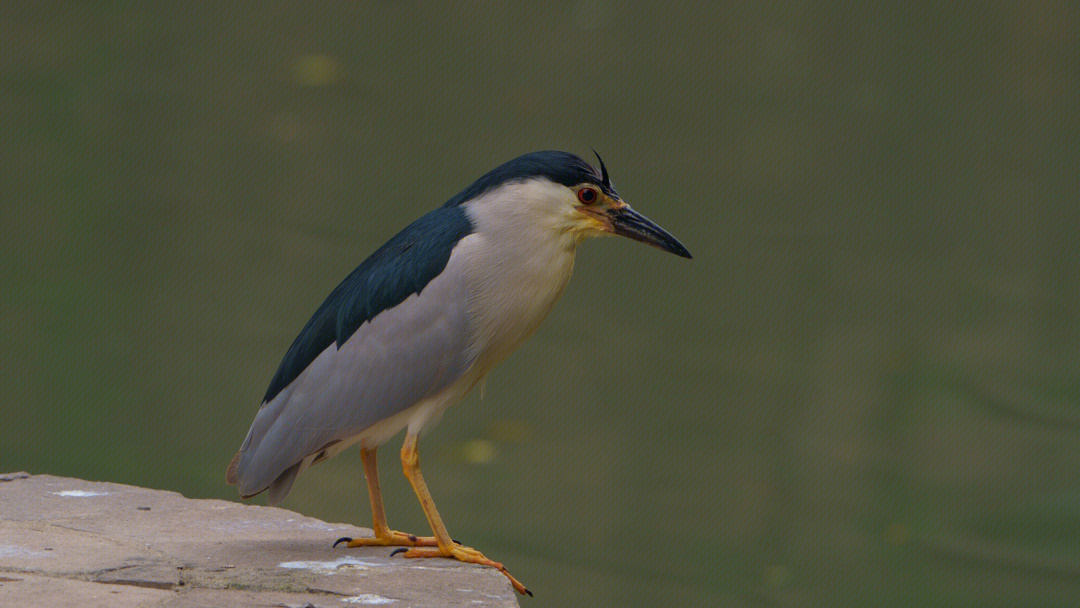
586 195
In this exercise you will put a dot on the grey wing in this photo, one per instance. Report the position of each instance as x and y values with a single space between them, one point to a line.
403 355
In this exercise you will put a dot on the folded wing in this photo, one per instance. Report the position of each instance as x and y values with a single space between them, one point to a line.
395 332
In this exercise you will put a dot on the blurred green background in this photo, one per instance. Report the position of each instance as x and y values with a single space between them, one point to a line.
862 391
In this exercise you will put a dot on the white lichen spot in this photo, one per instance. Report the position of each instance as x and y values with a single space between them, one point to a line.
367 598
80 493
325 567
20 552
314 525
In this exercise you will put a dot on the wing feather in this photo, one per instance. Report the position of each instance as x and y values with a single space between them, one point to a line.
355 364
403 266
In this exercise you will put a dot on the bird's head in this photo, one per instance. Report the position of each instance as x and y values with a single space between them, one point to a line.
601 211
563 191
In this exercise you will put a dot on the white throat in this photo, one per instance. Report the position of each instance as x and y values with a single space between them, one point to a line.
521 258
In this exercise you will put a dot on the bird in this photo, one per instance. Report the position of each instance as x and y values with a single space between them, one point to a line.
422 321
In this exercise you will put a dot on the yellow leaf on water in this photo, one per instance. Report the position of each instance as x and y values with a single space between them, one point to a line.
479 451
315 70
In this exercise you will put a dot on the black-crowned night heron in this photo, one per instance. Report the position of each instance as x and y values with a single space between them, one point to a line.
422 321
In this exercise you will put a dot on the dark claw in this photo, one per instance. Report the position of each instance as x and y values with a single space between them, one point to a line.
396 551
412 537
529 593
457 542
343 539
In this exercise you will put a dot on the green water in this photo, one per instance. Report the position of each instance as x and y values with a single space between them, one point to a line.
863 391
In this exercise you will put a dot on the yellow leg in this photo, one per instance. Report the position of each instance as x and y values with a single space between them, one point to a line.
384 536
410 461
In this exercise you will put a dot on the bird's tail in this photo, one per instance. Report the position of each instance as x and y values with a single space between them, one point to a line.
279 488
230 473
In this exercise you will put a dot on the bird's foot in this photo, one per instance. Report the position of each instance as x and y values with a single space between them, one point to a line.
390 538
464 554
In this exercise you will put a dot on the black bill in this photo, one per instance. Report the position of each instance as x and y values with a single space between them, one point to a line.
629 223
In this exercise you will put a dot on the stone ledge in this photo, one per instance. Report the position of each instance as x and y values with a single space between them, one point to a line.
73 542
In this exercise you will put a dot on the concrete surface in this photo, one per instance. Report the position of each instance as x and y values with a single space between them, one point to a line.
67 542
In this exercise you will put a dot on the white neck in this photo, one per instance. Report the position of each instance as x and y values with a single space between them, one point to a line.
522 255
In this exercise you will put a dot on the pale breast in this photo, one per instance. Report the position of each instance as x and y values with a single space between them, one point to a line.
513 286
